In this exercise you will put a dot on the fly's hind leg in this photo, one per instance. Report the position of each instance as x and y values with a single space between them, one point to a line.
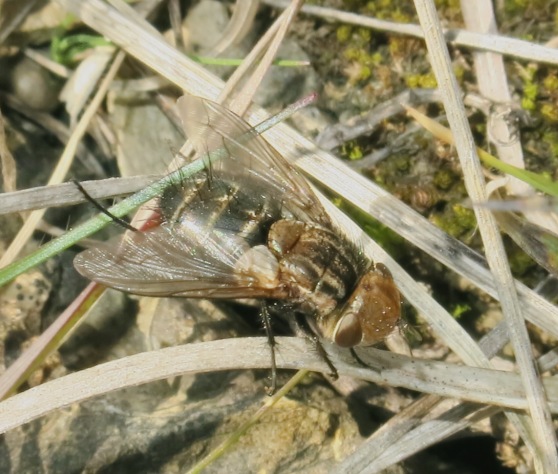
271 341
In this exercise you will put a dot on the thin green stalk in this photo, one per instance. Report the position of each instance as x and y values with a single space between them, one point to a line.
241 431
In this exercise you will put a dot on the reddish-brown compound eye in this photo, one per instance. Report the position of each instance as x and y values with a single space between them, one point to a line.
348 332
381 305
370 314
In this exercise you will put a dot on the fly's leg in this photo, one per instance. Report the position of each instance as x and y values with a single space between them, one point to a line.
323 354
303 328
358 359
101 208
361 362
271 341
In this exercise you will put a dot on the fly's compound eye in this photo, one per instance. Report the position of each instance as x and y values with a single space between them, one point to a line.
372 311
348 332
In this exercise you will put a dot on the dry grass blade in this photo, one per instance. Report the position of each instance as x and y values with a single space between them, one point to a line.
495 43
449 380
443 427
67 194
239 25
474 180
7 161
57 128
493 84
47 342
270 42
83 81
11 15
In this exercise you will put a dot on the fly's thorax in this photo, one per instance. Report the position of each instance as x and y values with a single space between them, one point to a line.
318 266
369 315
222 204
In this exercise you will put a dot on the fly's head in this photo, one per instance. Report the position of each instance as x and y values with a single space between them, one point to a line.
369 315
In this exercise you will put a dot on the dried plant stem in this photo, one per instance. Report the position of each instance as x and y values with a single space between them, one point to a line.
486 386
474 181
497 43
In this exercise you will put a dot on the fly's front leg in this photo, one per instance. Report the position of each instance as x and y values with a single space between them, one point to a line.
323 354
358 359
271 341
303 328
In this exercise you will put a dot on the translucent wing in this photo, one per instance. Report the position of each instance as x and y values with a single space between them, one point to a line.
182 261
212 243
248 158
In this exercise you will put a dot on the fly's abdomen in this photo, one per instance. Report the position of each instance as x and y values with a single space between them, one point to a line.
220 205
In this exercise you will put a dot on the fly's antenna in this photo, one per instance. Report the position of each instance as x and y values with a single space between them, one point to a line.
101 208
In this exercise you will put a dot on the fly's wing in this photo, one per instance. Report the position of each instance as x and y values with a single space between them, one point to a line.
198 252
247 159
182 261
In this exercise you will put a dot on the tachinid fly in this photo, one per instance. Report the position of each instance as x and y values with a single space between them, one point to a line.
249 226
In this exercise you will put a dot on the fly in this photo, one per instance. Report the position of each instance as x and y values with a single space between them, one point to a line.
249 226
